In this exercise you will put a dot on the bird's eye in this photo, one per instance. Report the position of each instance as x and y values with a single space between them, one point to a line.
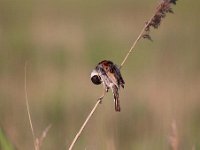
96 79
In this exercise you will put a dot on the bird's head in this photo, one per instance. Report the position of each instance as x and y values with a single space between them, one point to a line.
95 78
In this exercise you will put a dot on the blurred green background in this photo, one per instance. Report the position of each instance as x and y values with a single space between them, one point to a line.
63 40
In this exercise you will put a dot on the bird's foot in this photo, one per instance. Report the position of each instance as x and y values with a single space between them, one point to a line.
104 93
100 99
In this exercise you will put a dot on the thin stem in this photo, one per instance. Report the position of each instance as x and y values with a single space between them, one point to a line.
132 47
136 41
84 124
28 109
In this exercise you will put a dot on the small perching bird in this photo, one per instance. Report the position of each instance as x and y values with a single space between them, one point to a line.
108 73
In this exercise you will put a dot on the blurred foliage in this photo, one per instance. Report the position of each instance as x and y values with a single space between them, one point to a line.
63 40
5 144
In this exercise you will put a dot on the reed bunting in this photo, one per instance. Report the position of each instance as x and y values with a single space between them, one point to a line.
108 73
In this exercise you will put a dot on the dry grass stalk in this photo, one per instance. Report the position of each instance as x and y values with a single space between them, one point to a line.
84 124
162 9
27 107
37 141
173 138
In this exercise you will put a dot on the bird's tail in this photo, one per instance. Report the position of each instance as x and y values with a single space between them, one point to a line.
116 98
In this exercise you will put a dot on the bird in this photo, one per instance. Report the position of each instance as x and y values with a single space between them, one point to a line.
108 73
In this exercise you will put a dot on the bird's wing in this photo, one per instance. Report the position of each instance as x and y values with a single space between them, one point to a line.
117 75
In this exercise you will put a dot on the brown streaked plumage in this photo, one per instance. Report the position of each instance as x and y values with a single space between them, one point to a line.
108 73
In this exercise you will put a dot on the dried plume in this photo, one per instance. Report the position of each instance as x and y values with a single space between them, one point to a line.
161 11
164 7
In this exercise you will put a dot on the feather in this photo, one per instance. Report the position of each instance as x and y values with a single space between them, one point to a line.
116 98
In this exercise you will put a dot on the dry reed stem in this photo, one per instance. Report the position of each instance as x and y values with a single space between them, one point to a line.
134 44
161 10
28 109
37 141
84 124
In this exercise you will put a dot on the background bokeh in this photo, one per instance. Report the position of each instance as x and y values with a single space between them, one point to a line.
62 41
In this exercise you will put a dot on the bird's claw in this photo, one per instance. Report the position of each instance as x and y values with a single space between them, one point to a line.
102 96
100 99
